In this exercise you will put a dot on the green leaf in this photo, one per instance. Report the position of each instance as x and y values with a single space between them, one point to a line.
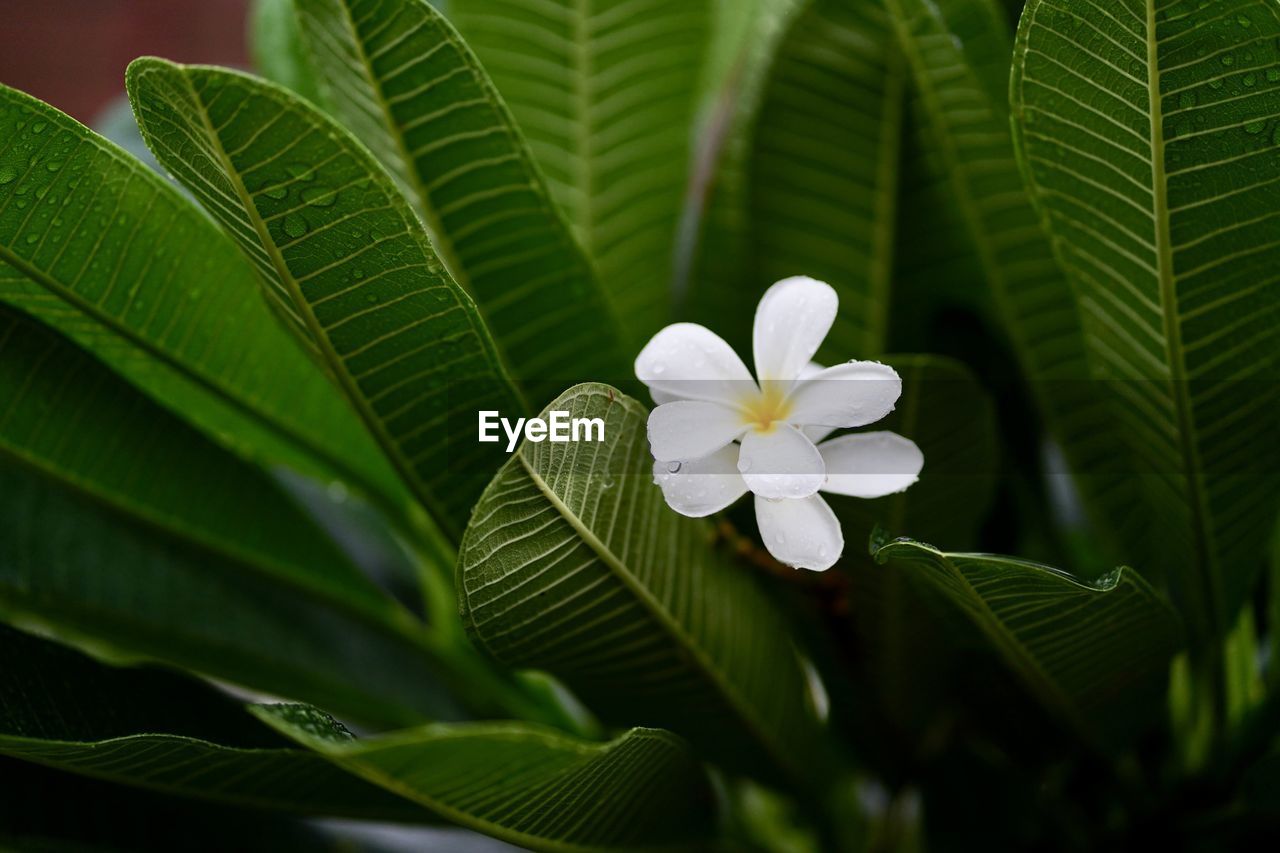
1146 134
397 75
124 589
160 731
1093 652
605 93
824 168
343 257
713 250
945 411
275 43
69 418
125 531
527 785
574 564
959 58
104 250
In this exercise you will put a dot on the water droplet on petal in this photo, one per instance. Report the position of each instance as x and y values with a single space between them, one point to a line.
673 467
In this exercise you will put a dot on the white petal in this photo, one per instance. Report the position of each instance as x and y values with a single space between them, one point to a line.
659 396
810 370
792 319
691 429
690 362
870 464
813 433
702 486
847 395
781 463
804 534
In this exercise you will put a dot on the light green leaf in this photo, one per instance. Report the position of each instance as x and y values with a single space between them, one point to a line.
712 253
344 259
1092 652
397 75
99 247
824 168
1146 133
275 43
160 731
959 58
605 92
527 785
574 564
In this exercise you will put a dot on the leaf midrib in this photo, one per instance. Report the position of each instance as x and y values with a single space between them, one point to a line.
660 614
337 367
1175 353
1003 638
350 756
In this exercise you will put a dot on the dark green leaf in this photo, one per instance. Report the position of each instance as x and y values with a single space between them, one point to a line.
530 786
156 730
1091 652
959 58
1146 133
126 531
343 257
398 76
574 564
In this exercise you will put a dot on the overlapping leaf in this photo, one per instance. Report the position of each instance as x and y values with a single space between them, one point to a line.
345 261
160 731
574 564
605 92
123 529
103 249
1147 131
69 418
712 252
824 167
397 75
1092 652
959 58
531 786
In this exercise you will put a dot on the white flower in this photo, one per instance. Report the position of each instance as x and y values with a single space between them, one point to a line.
708 401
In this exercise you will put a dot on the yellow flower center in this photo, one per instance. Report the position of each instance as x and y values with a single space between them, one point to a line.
765 408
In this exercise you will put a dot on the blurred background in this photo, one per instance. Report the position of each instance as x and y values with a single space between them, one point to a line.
72 53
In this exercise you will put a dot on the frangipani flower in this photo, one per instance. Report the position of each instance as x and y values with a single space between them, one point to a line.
717 434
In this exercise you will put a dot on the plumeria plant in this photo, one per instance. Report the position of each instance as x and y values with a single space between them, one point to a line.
371 478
